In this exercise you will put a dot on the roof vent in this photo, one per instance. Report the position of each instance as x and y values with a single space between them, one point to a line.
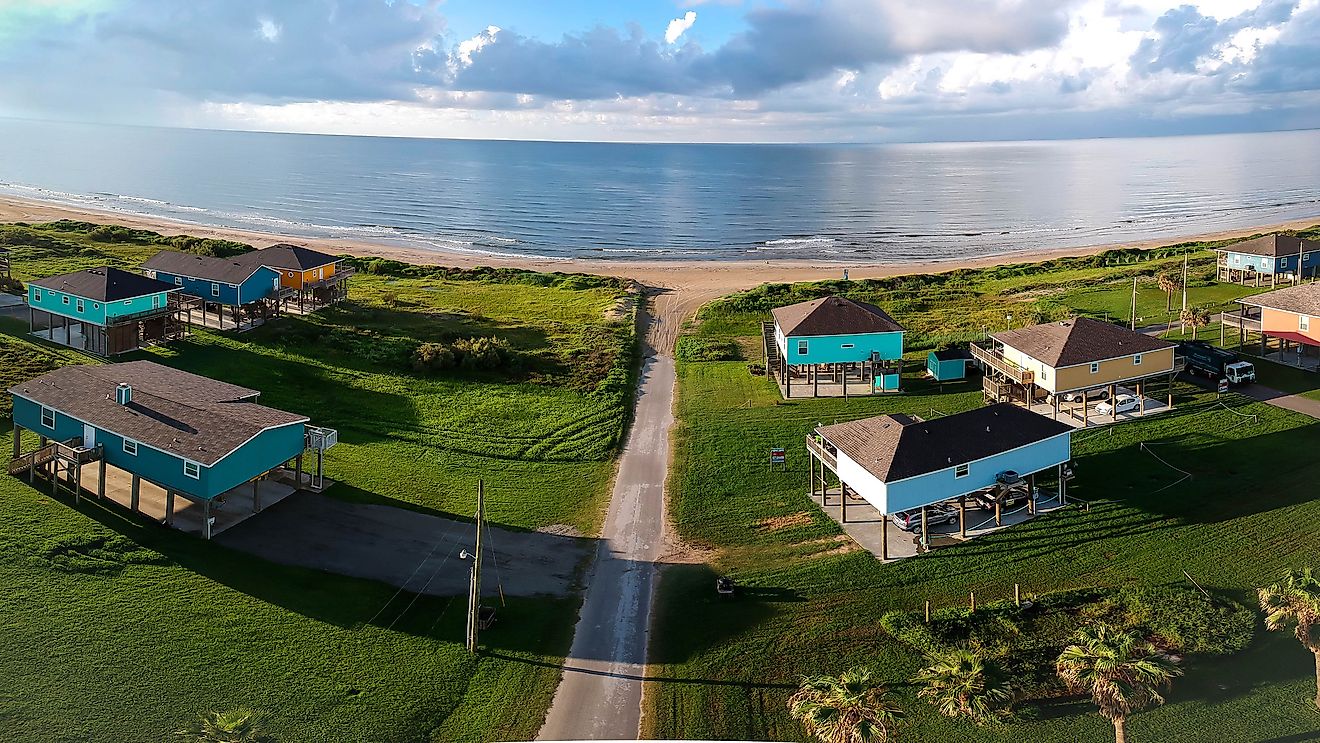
124 393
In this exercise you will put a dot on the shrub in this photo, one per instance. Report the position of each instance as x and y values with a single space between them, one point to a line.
693 348
11 286
471 354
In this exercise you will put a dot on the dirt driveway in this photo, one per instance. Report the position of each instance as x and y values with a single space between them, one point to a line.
405 548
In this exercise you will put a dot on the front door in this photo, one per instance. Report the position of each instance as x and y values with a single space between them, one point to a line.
89 436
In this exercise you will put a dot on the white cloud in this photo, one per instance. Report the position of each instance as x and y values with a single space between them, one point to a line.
680 26
268 29
468 47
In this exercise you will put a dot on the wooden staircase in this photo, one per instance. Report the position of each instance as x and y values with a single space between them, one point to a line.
771 348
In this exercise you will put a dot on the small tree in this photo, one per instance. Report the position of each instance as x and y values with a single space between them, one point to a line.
1295 601
852 708
230 726
1168 284
1120 671
1196 317
961 683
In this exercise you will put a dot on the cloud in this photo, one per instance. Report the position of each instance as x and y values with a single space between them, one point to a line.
679 26
1183 37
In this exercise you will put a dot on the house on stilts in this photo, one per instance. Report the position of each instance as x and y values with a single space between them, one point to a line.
833 347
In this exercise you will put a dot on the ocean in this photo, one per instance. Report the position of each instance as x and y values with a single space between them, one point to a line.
848 203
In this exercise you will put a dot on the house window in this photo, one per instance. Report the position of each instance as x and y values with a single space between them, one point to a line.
290 274
1095 367
151 274
66 299
1136 360
276 283
1044 373
130 447
846 345
192 469
802 348
1304 322
36 294
80 305
178 281
215 290
962 470
47 417
128 303
96 306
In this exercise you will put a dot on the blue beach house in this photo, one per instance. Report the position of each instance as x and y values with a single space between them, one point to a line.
1268 258
104 311
947 365
147 426
219 282
902 463
832 342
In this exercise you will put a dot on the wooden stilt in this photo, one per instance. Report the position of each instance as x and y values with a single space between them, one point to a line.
1031 494
256 496
962 516
884 536
135 494
100 479
843 502
206 518
169 508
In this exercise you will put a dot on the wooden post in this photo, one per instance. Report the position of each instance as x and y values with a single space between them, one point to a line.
474 594
925 534
169 507
1171 376
815 380
788 381
927 611
1063 487
1031 494
1056 406
972 595
298 470
1141 395
884 536
18 441
100 479
999 507
845 381
206 518
843 501
1086 409
135 493
256 496
1017 594
962 516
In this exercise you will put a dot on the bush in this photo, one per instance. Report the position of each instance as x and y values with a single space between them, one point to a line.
693 348
11 286
433 357
471 354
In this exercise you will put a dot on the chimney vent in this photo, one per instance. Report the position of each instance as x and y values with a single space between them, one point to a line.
124 393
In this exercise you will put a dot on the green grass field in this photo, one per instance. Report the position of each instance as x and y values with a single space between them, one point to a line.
812 606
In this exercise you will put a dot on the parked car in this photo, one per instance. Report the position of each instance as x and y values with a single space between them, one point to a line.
1012 498
1100 394
937 514
1121 404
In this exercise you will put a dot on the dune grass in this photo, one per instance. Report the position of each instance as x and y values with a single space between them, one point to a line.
812 606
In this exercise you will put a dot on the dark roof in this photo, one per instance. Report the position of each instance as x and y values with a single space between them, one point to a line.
184 414
952 354
1274 245
833 316
896 447
1303 299
1080 340
289 257
224 270
104 284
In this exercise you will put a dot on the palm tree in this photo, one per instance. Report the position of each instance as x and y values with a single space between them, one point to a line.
1168 284
1120 671
1295 601
852 708
230 726
961 683
1197 317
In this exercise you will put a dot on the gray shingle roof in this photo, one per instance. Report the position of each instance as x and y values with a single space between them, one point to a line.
104 284
205 267
194 417
287 257
1303 299
1080 340
833 316
896 447
1274 245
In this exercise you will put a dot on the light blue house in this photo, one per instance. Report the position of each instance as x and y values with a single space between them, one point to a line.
835 339
947 365
217 281
902 463
1268 258
187 435
105 311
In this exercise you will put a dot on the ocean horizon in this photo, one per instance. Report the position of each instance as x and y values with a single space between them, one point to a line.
891 203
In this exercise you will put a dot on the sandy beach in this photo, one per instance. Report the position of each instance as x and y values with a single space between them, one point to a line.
682 286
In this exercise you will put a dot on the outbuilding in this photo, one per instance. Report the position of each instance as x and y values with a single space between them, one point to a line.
948 364
828 344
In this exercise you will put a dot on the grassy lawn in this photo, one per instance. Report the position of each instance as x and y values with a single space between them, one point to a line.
814 603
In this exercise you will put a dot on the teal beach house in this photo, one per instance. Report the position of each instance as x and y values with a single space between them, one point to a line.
104 311
834 346
152 428
217 282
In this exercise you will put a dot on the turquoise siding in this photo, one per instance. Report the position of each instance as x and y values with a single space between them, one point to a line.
935 487
262 453
945 371
93 312
887 382
842 349
260 285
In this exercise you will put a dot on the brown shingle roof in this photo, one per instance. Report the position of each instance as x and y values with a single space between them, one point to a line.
1303 299
223 270
833 316
1080 340
191 416
104 284
896 447
287 257
1274 245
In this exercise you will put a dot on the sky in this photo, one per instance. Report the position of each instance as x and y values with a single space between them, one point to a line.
670 70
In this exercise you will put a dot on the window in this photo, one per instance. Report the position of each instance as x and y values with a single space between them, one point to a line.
276 283
1136 360
130 447
962 470
802 348
96 305
66 298
846 345
80 305
1044 373
151 274
47 417
1095 367
215 290
290 274
1304 322
178 281
192 469
36 293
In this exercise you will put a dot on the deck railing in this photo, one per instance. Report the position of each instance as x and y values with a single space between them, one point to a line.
821 450
996 361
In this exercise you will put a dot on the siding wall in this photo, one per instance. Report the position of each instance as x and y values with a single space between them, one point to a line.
260 285
53 301
1075 377
946 370
1277 321
295 278
1266 264
829 349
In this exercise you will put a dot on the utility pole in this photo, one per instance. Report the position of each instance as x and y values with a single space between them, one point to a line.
1182 327
1134 302
474 591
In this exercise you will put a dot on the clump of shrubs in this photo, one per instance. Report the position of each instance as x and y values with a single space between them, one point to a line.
11 286
695 348
469 354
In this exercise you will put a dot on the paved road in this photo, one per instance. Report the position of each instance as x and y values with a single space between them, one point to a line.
600 696
1282 399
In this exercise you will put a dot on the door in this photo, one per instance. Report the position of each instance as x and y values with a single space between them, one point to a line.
89 436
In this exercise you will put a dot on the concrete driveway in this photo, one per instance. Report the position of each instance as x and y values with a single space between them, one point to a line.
405 548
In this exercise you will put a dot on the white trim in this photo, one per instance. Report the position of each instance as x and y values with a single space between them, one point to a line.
126 443
196 474
1136 359
966 470
52 411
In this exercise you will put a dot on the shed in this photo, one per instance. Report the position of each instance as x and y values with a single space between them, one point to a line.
947 365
